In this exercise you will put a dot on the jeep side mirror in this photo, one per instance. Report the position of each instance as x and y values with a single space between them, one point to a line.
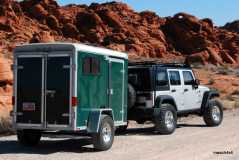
196 83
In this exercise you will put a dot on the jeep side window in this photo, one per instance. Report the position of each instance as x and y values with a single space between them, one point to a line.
188 78
174 78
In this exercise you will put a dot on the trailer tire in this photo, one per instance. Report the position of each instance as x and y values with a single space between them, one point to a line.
28 137
103 140
166 119
131 96
213 114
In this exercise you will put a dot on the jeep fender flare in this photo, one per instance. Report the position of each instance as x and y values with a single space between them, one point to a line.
206 97
165 99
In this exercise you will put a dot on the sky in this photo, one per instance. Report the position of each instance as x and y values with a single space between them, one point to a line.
220 11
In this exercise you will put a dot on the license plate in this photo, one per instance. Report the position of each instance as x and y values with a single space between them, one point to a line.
28 106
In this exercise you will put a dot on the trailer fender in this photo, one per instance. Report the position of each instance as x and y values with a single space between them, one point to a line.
206 97
94 119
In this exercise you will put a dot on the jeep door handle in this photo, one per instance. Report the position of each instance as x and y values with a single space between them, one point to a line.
185 90
174 90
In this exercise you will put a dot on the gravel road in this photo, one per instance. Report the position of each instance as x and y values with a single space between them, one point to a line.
192 140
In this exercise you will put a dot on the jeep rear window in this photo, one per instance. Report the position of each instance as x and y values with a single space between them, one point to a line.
140 79
162 82
174 78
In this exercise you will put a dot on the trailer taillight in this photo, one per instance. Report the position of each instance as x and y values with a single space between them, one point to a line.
74 101
13 100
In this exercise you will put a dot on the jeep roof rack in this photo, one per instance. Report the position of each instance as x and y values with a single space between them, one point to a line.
151 63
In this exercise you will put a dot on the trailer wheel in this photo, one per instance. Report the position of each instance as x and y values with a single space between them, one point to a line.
213 114
103 140
131 96
28 137
166 119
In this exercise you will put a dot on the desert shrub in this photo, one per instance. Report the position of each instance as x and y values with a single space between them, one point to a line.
5 125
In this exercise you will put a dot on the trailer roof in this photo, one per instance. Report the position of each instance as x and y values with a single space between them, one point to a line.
48 47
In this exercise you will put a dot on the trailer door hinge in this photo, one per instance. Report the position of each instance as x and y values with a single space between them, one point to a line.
14 67
68 67
110 91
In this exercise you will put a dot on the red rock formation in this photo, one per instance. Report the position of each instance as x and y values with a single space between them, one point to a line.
117 26
232 26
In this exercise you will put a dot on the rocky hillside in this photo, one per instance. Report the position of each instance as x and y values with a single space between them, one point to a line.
115 25
232 26
112 25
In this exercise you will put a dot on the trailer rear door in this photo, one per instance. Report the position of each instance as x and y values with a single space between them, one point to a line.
29 90
58 90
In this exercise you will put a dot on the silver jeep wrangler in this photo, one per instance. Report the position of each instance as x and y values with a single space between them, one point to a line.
163 92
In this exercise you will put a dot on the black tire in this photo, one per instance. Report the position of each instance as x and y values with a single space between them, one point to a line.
210 117
131 96
28 137
99 142
140 121
160 119
122 129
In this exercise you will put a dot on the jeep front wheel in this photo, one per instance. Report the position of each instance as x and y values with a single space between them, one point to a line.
213 114
103 140
166 119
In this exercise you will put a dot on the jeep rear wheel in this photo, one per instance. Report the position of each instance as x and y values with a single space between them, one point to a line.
166 120
213 114
103 140
28 137
122 129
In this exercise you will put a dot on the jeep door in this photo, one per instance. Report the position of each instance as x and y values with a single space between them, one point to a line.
191 93
176 88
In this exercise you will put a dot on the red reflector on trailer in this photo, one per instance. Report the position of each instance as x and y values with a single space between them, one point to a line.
74 101
13 100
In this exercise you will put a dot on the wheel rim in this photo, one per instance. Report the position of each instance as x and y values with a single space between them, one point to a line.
106 132
169 120
216 113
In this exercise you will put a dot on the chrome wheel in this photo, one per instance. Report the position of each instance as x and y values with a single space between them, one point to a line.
216 113
169 120
106 133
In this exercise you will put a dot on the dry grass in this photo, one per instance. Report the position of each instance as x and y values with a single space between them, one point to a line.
230 104
5 125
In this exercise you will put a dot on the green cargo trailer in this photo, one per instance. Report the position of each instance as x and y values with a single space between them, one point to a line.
70 88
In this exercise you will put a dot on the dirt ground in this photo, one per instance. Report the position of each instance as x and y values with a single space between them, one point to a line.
192 140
